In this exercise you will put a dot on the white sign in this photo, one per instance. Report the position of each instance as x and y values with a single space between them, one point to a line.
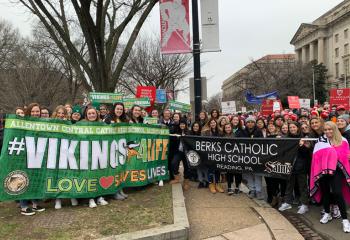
244 109
210 26
305 103
276 106
228 107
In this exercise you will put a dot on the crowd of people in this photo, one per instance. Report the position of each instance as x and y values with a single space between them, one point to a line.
332 122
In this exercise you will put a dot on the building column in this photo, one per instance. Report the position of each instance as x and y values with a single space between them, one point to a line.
320 58
303 54
312 51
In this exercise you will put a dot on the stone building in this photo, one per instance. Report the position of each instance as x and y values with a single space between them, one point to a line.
327 40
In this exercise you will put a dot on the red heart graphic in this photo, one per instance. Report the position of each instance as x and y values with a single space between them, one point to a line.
106 182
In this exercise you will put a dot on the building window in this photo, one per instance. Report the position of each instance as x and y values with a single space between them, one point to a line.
337 52
337 70
336 38
346 49
346 67
346 33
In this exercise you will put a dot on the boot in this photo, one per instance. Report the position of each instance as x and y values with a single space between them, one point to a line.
219 188
212 187
186 185
274 202
175 180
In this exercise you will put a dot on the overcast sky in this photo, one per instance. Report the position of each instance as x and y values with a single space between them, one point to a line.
249 29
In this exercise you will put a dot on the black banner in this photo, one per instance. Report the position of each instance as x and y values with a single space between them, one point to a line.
268 156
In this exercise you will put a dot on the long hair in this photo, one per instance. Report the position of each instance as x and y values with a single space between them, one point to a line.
123 117
54 114
337 137
139 119
97 114
199 130
30 107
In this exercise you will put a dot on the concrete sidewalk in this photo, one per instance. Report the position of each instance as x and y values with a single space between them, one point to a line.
219 216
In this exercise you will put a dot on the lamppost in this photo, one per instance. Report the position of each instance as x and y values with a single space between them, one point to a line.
313 84
196 59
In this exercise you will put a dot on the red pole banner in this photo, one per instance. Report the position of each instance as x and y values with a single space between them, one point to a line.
340 97
175 26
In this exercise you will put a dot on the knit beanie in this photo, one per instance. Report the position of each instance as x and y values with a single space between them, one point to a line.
250 119
345 117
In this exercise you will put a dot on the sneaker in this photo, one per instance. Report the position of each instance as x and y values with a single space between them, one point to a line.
92 203
101 201
251 194
37 208
124 194
336 212
118 196
161 183
346 225
284 206
27 212
260 196
323 212
230 191
326 218
303 209
74 202
58 204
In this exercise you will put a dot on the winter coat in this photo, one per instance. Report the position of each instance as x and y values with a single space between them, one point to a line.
253 133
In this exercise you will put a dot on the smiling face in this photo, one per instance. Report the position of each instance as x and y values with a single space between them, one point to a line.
228 129
45 113
91 115
35 112
315 124
341 123
293 129
136 112
60 113
118 111
235 121
195 127
328 131
20 112
76 116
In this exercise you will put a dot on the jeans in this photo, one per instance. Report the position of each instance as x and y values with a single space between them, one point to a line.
202 173
254 181
25 203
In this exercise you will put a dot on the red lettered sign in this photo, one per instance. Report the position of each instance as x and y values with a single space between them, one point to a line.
293 102
340 96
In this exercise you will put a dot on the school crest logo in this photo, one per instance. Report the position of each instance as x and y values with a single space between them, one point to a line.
16 183
340 92
193 158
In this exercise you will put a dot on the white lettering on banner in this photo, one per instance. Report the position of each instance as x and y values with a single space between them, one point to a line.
100 155
35 154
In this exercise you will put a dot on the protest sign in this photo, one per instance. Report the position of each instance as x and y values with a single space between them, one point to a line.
150 120
161 96
142 102
305 103
105 97
228 107
44 159
179 106
146 91
269 106
340 97
270 157
293 102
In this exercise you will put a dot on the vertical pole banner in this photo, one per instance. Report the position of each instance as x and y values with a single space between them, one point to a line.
175 26
210 26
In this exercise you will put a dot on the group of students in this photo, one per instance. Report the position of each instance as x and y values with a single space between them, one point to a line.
282 194
88 113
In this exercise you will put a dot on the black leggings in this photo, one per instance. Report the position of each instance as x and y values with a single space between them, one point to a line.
333 183
238 179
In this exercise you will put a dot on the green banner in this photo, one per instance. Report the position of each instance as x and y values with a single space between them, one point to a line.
179 106
143 102
105 97
43 159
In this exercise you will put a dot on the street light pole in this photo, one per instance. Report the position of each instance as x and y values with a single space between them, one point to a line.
313 84
196 60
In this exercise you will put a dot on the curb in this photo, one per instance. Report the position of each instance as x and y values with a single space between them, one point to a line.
177 231
279 227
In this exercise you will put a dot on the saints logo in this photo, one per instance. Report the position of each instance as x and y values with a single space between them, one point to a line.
16 183
193 158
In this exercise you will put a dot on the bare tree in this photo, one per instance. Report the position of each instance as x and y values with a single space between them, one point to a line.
214 102
147 67
102 24
9 41
286 76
